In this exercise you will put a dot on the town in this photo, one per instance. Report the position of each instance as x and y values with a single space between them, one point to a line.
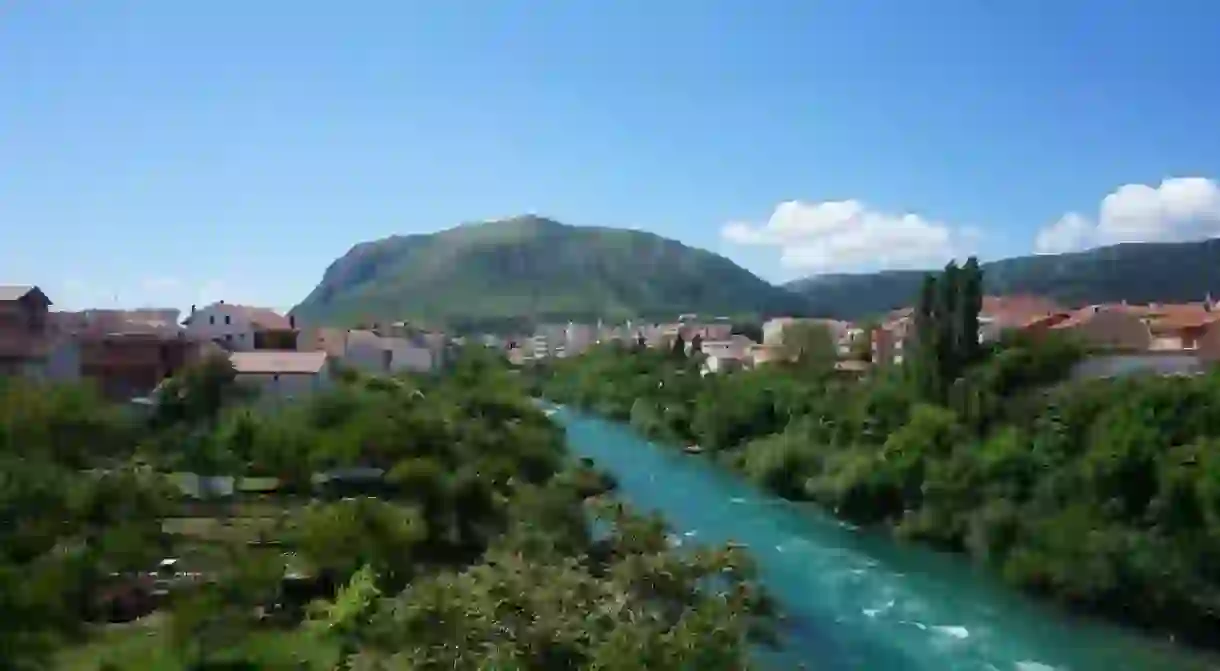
127 353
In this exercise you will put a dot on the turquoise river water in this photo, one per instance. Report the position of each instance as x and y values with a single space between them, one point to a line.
856 599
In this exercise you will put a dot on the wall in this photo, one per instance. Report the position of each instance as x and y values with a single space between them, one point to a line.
63 362
407 356
275 388
365 351
209 323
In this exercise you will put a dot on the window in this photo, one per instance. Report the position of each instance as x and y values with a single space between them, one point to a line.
228 337
228 320
212 319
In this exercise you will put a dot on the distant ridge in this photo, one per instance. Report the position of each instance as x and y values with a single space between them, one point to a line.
1136 272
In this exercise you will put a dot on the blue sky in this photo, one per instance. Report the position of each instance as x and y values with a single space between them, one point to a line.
169 153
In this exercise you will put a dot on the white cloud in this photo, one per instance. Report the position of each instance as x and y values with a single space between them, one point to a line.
848 235
1073 231
1181 208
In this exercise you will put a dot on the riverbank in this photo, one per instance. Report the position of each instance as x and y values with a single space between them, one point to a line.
1098 496
855 599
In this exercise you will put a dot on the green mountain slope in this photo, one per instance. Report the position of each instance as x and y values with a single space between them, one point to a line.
530 269
1138 273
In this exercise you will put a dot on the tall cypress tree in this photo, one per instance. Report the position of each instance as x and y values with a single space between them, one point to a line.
948 337
970 304
922 358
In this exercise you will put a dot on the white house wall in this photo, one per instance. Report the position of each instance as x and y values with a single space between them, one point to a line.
210 323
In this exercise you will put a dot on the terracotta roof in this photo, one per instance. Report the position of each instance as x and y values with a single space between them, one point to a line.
156 321
1178 317
264 318
1077 317
1012 311
1049 320
278 362
1085 314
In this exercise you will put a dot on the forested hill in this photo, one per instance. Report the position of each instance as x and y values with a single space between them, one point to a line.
1140 273
532 269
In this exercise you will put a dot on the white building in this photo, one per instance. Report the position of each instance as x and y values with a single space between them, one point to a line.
578 338
282 375
369 352
241 328
724 355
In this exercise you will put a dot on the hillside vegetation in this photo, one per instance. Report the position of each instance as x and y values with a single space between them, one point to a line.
531 269
1139 273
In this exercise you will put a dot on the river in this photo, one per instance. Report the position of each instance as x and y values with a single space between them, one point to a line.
857 599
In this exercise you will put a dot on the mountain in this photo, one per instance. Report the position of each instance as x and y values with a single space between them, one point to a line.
505 274
1138 273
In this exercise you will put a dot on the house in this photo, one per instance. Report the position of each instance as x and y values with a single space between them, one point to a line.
30 345
1177 327
724 355
242 328
127 364
371 352
764 354
281 375
127 353
1001 314
997 316
1110 327
578 338
891 339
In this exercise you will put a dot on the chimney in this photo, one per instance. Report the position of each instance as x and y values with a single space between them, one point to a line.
192 308
292 321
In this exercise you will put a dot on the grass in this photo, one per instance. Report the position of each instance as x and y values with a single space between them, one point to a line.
145 645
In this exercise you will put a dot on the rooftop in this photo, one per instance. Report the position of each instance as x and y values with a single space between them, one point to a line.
279 363
265 318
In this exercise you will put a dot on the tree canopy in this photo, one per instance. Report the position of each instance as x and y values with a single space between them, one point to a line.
422 523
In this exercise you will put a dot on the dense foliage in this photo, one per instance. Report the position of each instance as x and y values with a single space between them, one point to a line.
1103 494
1140 273
507 275
64 529
471 548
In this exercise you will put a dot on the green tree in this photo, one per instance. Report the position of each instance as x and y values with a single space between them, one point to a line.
969 305
810 344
